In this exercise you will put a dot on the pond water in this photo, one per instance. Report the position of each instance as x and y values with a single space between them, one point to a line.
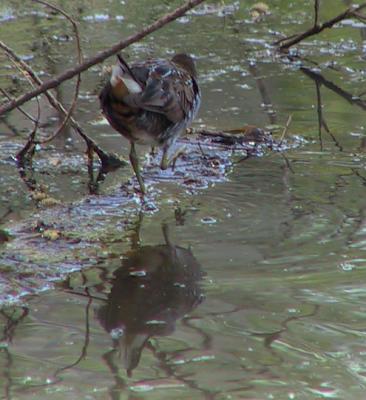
254 288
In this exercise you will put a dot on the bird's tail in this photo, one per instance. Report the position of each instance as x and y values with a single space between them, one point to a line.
123 79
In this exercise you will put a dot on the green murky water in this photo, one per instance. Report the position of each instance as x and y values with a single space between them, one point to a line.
257 291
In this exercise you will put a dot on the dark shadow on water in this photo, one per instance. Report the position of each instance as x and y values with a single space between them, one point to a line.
154 287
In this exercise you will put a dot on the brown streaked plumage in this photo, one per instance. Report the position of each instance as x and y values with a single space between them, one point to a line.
151 102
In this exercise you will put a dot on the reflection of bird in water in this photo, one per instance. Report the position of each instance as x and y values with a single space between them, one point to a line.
151 102
155 286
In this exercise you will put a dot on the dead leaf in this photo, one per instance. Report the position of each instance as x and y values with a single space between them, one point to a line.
54 161
258 10
38 195
49 202
51 234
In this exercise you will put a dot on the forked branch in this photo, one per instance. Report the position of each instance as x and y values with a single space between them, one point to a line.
350 12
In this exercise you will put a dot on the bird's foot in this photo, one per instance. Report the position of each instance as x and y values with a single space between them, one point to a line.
166 161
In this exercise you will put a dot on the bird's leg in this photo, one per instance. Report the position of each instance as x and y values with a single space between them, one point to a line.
166 161
176 155
135 165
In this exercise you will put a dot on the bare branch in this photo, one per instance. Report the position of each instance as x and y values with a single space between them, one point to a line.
80 60
31 138
334 88
316 13
320 113
351 12
285 129
106 159
29 147
101 56
25 113
321 120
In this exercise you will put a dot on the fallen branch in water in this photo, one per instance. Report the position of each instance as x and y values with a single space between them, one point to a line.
248 133
351 12
99 57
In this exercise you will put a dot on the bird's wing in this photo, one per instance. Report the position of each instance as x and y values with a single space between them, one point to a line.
168 91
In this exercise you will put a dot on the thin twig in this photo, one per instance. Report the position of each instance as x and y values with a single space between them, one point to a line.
317 28
333 87
316 12
80 60
331 134
287 162
30 144
106 159
201 150
29 147
84 350
320 80
285 129
29 80
322 122
357 173
359 16
101 56
320 114
25 113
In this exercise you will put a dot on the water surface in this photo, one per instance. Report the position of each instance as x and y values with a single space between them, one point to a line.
255 291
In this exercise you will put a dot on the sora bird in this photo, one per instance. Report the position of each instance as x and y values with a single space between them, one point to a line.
151 102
